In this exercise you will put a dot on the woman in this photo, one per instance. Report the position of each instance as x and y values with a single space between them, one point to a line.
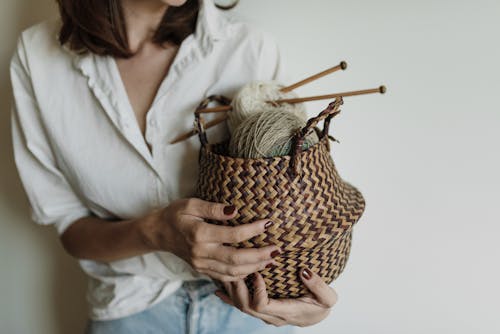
98 96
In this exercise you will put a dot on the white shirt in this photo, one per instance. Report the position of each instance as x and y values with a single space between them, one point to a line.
79 150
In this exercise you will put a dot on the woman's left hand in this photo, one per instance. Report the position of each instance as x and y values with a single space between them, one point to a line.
303 311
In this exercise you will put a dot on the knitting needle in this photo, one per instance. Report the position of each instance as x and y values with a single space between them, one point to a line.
341 66
214 109
191 133
380 90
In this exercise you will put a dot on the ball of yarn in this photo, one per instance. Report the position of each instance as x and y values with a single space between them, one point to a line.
253 97
268 134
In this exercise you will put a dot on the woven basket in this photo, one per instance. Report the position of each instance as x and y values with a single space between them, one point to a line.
312 208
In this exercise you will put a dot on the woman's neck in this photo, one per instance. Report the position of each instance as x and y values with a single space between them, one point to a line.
141 20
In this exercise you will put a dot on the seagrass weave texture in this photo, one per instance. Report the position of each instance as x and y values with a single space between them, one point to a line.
312 208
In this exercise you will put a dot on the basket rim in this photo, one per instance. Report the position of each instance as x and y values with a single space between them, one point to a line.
323 139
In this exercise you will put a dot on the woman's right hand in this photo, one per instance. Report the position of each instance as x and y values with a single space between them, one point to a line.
180 228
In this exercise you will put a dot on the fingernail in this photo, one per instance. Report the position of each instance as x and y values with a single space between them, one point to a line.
268 224
229 209
275 253
307 274
270 265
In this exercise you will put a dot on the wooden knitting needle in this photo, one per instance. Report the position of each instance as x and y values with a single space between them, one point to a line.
214 109
341 66
380 90
191 133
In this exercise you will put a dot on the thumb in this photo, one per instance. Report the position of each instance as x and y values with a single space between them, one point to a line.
323 293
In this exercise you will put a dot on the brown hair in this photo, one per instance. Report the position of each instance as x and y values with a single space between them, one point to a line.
98 26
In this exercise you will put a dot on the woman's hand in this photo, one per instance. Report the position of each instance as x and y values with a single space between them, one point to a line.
180 228
304 311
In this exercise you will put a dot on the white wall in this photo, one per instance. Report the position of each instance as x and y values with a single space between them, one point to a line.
42 290
425 256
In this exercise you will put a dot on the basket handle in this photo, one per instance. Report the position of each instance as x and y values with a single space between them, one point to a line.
327 114
198 120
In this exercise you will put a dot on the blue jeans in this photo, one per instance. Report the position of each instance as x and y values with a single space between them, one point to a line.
193 309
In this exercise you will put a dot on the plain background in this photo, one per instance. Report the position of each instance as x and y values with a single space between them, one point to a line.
425 255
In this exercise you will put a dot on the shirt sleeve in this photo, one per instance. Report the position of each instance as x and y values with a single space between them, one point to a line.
52 200
271 62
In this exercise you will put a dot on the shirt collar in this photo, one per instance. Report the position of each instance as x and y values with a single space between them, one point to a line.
211 26
210 23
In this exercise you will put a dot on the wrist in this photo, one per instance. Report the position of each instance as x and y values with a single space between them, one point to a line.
148 231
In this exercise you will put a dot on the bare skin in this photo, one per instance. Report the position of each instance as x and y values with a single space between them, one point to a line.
143 73
302 312
180 227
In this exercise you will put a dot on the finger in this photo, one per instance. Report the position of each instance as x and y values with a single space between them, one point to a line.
294 311
270 320
272 307
234 234
325 295
218 276
234 270
224 297
241 298
260 299
261 292
209 210
229 290
240 256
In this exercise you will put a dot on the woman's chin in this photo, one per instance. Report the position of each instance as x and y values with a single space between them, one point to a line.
174 3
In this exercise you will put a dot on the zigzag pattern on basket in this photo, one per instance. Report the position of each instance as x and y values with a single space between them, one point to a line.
283 280
313 210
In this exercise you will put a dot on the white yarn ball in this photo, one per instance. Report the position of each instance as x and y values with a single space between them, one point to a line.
253 97
268 134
